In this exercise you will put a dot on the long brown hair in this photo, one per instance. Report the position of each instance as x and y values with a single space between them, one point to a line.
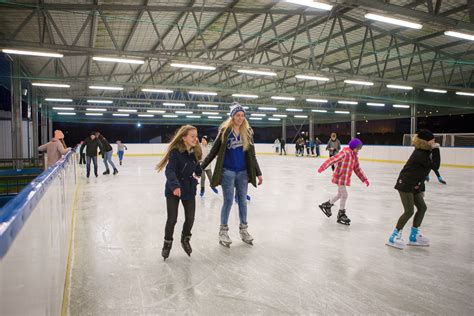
178 143
246 133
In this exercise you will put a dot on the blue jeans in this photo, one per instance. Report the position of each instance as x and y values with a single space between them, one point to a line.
88 164
108 158
239 181
120 155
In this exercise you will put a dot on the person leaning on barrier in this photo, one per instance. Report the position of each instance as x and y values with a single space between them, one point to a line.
55 148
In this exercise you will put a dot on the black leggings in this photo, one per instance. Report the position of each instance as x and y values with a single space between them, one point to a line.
172 204
409 200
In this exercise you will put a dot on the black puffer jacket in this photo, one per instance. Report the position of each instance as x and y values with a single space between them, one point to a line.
421 162
91 146
179 174
105 144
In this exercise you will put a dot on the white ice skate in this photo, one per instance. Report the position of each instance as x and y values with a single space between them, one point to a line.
395 240
224 238
417 239
244 234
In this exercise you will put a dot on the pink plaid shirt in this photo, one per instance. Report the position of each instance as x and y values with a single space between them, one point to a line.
346 161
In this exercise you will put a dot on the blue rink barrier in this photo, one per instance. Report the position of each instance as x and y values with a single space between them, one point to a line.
35 232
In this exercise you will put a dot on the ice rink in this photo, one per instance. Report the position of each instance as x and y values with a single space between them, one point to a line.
301 262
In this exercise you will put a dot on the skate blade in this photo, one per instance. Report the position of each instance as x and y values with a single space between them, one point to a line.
224 244
248 242
324 211
342 223
417 245
394 246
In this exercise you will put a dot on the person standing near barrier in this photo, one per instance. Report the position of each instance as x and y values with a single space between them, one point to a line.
334 146
107 152
205 151
282 144
121 150
317 142
55 148
82 156
91 144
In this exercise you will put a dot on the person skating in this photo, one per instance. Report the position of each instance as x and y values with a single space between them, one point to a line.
236 166
205 151
346 162
182 169
282 145
121 150
334 146
317 143
411 187
91 144
107 152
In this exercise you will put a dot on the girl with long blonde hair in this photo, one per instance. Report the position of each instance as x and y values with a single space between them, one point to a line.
236 166
181 164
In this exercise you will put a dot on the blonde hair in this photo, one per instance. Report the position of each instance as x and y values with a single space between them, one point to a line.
246 132
178 143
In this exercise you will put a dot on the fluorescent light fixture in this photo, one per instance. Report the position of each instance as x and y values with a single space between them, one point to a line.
194 116
156 111
258 114
317 78
106 88
342 112
435 90
138 103
469 37
146 115
169 115
210 113
465 93
66 113
215 117
255 118
388 20
283 98
120 114
246 107
94 114
274 119
127 110
119 60
264 108
348 102
193 66
183 112
51 85
301 116
280 115
31 53
173 104
57 100
207 106
359 82
375 104
100 101
257 72
396 86
202 93
312 4
157 90
317 100
319 111
294 110
63 109
96 109
401 106
249 96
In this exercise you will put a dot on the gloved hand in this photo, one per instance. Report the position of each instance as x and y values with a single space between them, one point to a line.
366 182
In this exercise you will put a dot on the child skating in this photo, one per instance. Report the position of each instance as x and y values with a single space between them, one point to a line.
411 186
182 166
345 163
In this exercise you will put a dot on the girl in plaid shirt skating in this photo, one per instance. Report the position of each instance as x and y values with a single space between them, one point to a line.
346 162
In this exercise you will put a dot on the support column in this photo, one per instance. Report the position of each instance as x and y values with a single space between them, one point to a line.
17 141
311 126
353 124
44 125
50 124
413 120
283 129
34 115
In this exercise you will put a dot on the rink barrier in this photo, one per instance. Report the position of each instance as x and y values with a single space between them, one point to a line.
35 242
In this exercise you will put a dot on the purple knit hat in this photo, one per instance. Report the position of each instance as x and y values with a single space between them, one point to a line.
355 143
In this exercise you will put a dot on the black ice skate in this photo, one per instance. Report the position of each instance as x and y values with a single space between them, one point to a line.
326 208
342 218
165 252
115 171
186 245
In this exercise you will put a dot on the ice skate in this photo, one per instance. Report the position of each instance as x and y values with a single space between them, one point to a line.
244 234
224 238
417 239
115 171
106 172
441 180
395 240
214 190
202 192
326 208
186 245
165 252
342 218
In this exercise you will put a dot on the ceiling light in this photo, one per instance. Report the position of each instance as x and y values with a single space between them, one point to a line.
183 112
156 111
312 4
435 90
399 22
317 78
395 86
348 102
359 82
210 113
31 53
301 116
250 96
319 111
256 72
264 108
169 115
96 109
401 106
173 104
274 119
207 106
100 101
215 117
460 35
193 66
138 103
280 115
106 88
158 90
283 98
317 100
465 93
194 116
342 112
57 100
294 110
120 114
66 113
146 115
375 104
127 110
94 114
119 60
63 109
202 93
256 118
52 85
258 114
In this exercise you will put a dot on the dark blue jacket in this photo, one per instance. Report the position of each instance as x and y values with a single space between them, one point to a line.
179 174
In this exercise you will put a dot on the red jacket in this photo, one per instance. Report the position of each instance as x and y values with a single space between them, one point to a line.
346 161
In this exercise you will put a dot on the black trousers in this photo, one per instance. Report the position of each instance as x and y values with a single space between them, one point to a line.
82 160
172 204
